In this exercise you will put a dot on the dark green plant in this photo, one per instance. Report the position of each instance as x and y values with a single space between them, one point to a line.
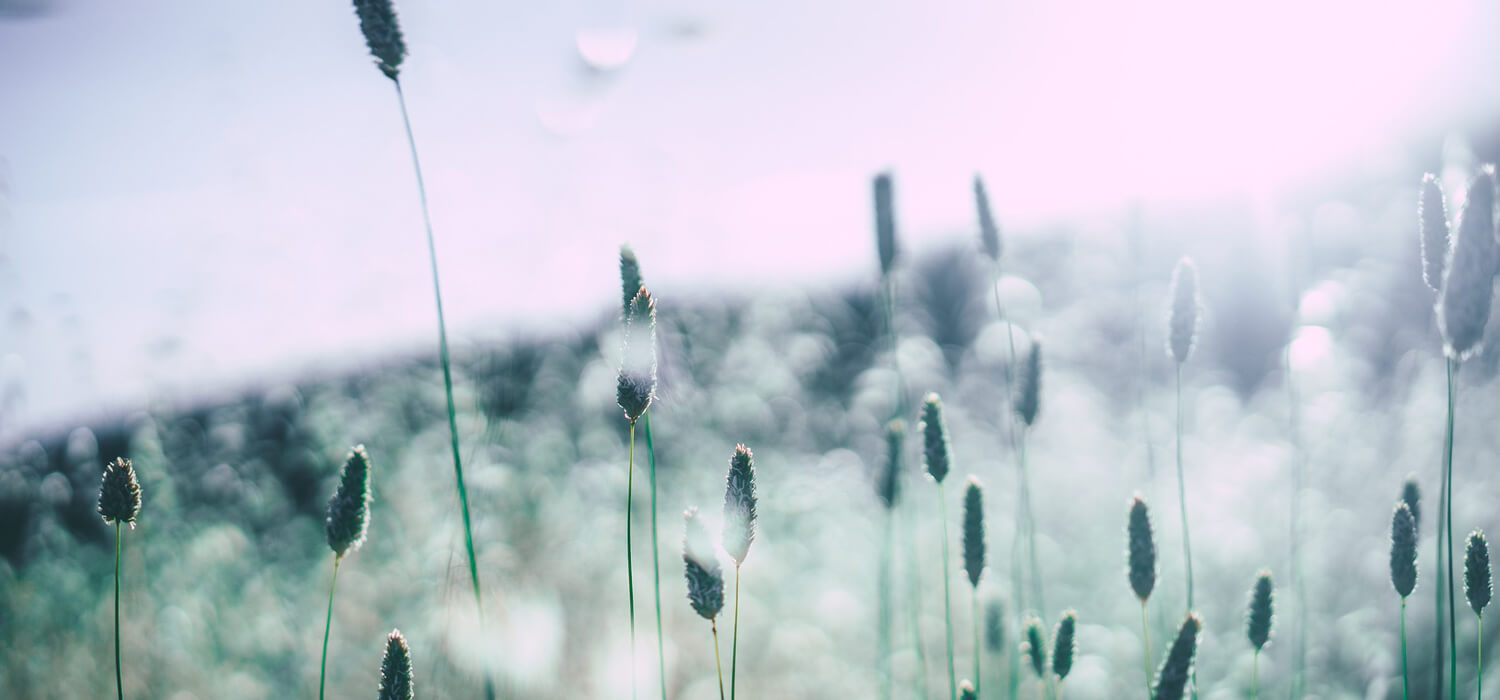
1404 575
705 580
119 504
936 456
1182 336
1141 548
1064 646
739 532
966 691
347 522
974 556
1477 590
1177 669
396 669
1258 620
885 223
1036 650
1029 393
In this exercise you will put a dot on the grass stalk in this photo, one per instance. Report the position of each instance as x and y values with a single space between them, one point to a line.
661 656
1016 577
714 625
1405 668
119 678
1187 547
1146 639
1448 543
1030 517
883 644
975 614
947 595
734 645
629 554
898 390
1479 662
1255 675
327 626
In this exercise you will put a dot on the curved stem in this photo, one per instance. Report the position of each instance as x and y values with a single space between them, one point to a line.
1146 638
1405 669
328 625
119 679
714 625
734 649
629 556
947 597
661 655
1448 526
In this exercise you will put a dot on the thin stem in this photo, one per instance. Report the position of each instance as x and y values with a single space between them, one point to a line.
1018 603
714 625
328 625
444 360
883 644
1299 587
119 679
1405 668
1448 526
661 655
947 598
629 556
1479 663
975 617
734 647
1255 674
1146 638
1030 511
898 409
1187 547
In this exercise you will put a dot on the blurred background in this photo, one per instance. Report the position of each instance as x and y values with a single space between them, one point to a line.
211 260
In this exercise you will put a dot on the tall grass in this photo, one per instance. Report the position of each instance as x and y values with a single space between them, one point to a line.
705 580
739 532
1404 575
635 391
937 458
1141 570
119 504
1027 405
346 524
888 488
1436 246
396 670
1477 590
973 534
1258 619
1182 336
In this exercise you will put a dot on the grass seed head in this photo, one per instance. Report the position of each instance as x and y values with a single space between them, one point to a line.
1259 617
889 487
1403 550
1029 393
1064 644
349 508
377 19
1142 549
1411 495
705 578
739 505
1432 216
1463 305
1477 572
973 531
1182 320
994 626
935 453
120 493
1036 646
630 279
637 380
989 231
885 223
966 691
395 670
1177 669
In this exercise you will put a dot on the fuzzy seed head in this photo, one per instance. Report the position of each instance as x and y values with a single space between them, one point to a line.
630 279
705 578
739 505
1172 678
989 231
1411 495
396 670
377 19
1182 320
1259 616
973 531
1432 216
120 493
889 487
1142 548
935 453
1036 647
966 691
885 223
637 381
994 626
1477 572
1403 550
349 508
1463 305
1029 393
1064 644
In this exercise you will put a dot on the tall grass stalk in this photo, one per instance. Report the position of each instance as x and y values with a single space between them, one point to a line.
119 678
1448 541
937 457
738 534
629 553
705 580
1477 590
1404 574
119 504
661 656
327 627
1187 543
718 663
947 594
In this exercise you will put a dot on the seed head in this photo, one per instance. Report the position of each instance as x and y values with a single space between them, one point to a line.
1029 393
1182 321
637 385
395 670
120 493
1477 572
994 626
705 578
377 19
1463 305
935 454
1403 550
739 505
889 487
1432 215
973 531
1177 668
885 223
1064 645
630 279
349 509
1142 546
989 232
1259 617
1036 647
966 691
1411 495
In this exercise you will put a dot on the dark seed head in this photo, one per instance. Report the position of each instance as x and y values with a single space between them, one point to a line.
349 509
1477 572
1142 546
630 279
973 531
637 380
377 19
994 626
966 691
705 578
1182 321
889 487
1036 647
1177 668
935 454
989 231
1064 644
1029 393
395 670
1259 617
885 223
1432 216
1411 495
120 493
739 505
1463 305
1403 551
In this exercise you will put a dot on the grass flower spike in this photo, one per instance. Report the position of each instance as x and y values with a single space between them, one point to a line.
739 532
630 279
1036 647
1141 552
1432 215
1177 670
396 669
1463 305
348 520
119 504
888 488
1182 321
973 534
936 456
885 223
1064 645
705 579
1404 574
1258 620
1477 590
1411 495
637 378
377 20
1029 393
989 231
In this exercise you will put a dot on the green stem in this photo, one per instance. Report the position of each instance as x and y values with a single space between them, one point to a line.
629 556
734 648
947 598
714 625
1146 638
1255 675
1479 662
1187 547
661 655
443 357
898 409
1030 517
327 626
883 644
975 616
119 679
1448 526
1405 668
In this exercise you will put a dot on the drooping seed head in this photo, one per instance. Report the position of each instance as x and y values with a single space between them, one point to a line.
377 19
1259 616
1172 678
1064 644
889 486
1142 549
739 505
973 531
989 231
120 493
1477 572
994 626
349 508
705 578
885 223
935 452
966 691
1463 305
1036 647
1182 320
1029 393
1411 495
637 380
630 279
1403 550
1432 216
396 670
